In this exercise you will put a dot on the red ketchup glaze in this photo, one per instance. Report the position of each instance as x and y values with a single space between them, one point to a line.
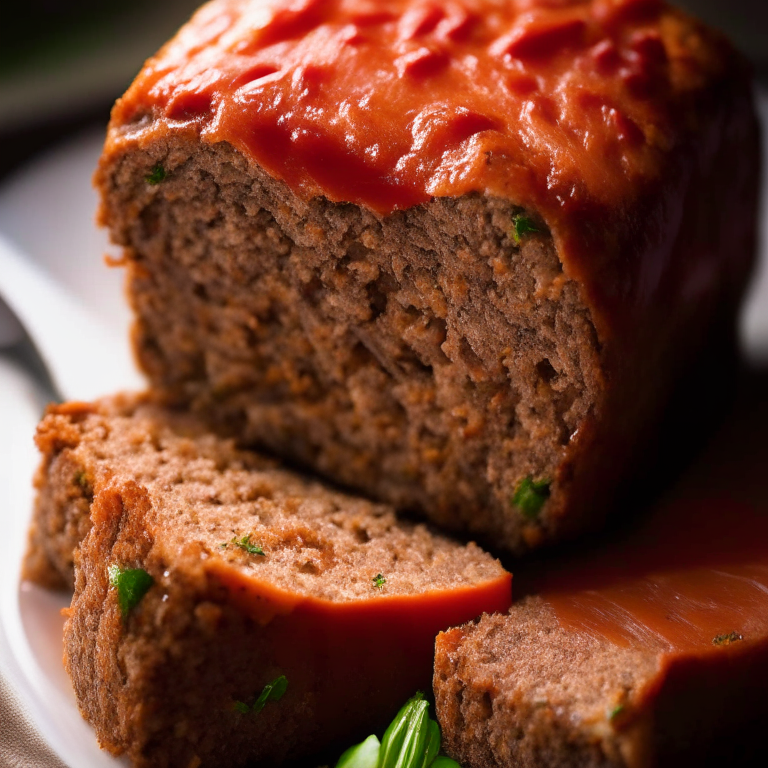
335 649
543 39
390 66
389 78
697 571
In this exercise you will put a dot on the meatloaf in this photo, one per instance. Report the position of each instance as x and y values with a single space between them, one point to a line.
454 255
653 652
227 611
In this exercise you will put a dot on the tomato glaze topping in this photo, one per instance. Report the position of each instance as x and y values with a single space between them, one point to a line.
694 578
387 104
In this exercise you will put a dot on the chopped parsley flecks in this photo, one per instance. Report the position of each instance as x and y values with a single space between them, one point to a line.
530 495
273 691
616 711
156 175
131 586
244 543
379 580
727 639
522 225
81 479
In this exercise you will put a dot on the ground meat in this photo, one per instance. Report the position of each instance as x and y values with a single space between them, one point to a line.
493 352
257 573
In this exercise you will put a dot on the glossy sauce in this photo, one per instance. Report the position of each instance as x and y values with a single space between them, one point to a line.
592 112
697 571
334 649
387 104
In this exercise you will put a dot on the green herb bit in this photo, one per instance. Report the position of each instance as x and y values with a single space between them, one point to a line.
412 740
362 755
273 691
731 637
81 479
131 586
432 743
530 496
412 753
522 225
156 175
242 707
404 740
616 711
379 581
244 542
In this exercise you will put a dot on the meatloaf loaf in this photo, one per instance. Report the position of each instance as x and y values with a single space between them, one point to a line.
454 255
227 611
653 652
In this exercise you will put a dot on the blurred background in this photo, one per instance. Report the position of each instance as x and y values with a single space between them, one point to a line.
63 62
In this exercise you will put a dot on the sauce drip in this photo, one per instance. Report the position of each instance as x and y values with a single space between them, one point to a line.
698 571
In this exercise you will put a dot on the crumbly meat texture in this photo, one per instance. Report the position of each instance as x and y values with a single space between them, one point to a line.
321 543
522 691
426 359
128 483
519 691
438 356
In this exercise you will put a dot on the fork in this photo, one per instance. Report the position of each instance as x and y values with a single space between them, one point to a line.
60 341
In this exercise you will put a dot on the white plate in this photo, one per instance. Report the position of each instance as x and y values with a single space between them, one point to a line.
47 212
30 617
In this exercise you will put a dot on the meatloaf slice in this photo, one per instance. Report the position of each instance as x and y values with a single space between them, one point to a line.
652 653
451 255
204 574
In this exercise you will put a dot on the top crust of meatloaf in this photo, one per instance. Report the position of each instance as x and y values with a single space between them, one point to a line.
583 112
434 252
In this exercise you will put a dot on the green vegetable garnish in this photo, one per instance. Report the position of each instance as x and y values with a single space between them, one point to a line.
414 744
156 175
530 496
244 542
432 744
731 637
379 581
522 225
394 736
131 586
363 755
273 691
81 479
412 740
616 711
